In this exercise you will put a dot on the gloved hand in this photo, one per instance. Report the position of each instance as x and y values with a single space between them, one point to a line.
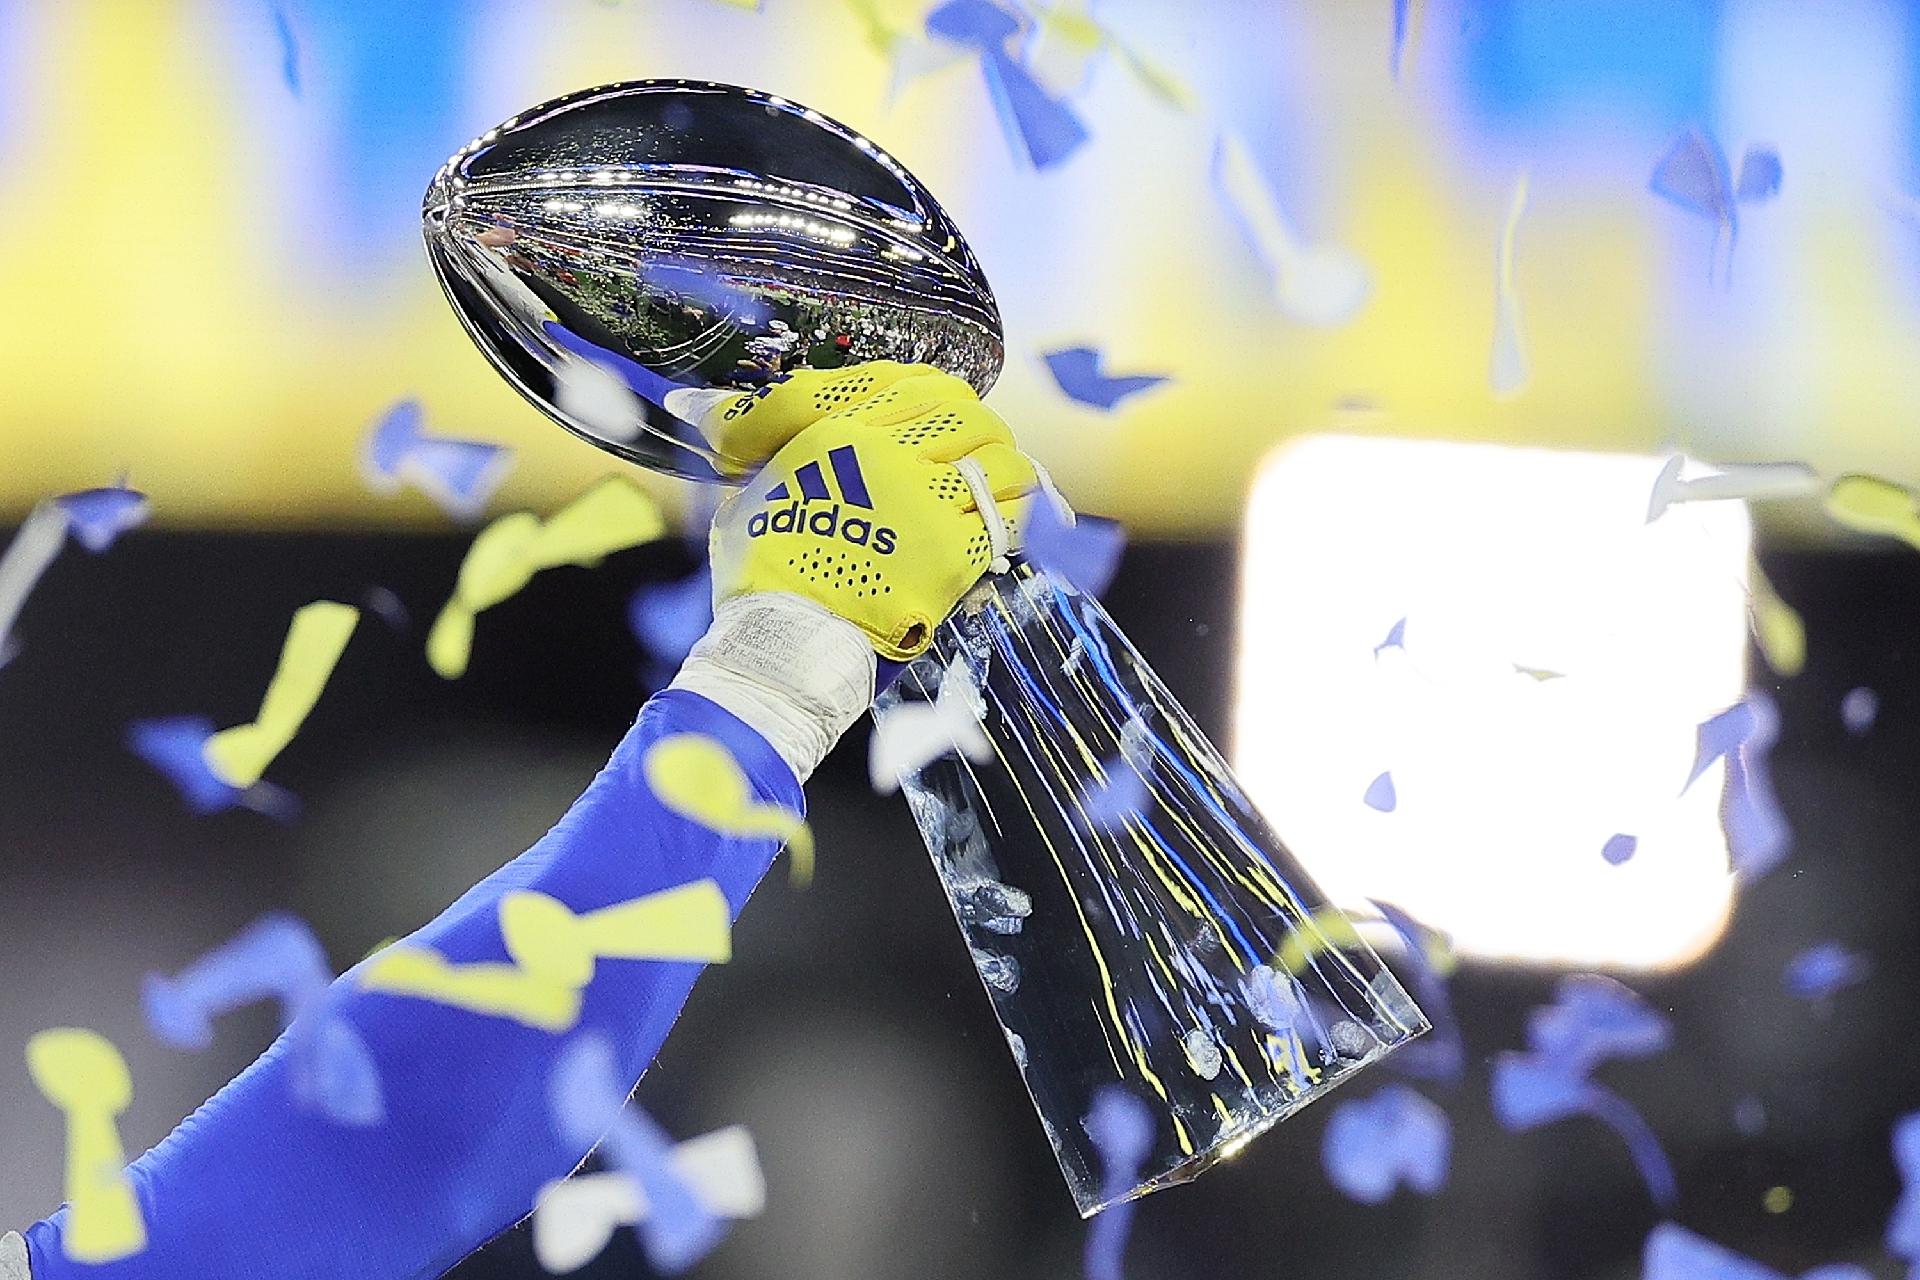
887 491
885 508
747 428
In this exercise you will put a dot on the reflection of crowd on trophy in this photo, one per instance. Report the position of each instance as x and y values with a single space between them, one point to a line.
708 308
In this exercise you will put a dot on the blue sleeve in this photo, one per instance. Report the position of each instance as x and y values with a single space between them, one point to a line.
249 1186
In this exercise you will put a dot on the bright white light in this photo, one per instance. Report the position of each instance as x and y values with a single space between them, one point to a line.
1503 562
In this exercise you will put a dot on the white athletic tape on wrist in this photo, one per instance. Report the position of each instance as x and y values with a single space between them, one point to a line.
13 1257
795 672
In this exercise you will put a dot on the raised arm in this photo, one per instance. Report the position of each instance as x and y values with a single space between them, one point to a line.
859 535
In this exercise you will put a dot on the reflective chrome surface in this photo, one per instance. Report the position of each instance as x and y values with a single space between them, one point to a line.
613 245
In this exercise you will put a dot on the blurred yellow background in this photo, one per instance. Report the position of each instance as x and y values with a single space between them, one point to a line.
214 283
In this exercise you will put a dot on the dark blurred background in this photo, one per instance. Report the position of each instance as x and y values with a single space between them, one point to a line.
851 1033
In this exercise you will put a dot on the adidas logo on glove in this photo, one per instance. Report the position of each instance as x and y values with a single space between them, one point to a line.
811 482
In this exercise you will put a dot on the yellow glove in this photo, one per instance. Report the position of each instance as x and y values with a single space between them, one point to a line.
871 504
746 428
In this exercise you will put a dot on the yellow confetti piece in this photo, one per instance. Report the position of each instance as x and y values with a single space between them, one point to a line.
689 922
500 990
1072 23
81 1073
554 953
698 778
314 643
1330 928
874 28
1325 930
1777 627
1067 39
499 562
611 516
1872 505
1155 79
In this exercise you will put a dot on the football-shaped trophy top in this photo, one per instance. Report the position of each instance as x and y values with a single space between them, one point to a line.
617 245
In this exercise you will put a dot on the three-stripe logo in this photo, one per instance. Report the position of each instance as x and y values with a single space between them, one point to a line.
812 484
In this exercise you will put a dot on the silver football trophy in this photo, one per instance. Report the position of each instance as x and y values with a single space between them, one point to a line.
622 253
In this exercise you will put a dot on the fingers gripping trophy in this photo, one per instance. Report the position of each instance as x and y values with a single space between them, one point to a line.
725 286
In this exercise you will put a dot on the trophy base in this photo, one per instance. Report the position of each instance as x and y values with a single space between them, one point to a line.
1230 1142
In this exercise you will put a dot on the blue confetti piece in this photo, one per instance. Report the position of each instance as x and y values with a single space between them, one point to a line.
1047 128
1529 1091
1041 126
1441 1054
1380 794
1594 1018
1823 970
1859 709
1085 553
1121 1127
589 1102
289 48
1717 736
1077 371
460 475
334 1074
465 472
392 437
1108 805
1674 1253
1396 638
96 517
1903 1228
384 604
1374 1145
1401 25
1649 1158
669 618
1619 848
1750 1116
973 22
173 745
277 958
1760 175
1693 175
1757 833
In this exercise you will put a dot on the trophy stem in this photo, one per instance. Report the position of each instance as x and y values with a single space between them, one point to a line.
1124 904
